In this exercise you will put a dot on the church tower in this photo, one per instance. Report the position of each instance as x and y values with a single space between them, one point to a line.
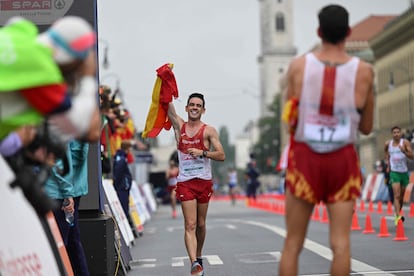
277 49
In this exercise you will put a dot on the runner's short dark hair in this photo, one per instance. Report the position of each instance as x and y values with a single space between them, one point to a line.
395 127
333 23
196 95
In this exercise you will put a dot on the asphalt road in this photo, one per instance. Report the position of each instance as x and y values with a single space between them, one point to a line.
247 241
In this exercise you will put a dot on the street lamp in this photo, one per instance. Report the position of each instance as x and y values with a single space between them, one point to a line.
105 62
391 85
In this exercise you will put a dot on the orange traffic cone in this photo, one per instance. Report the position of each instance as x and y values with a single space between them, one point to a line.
379 207
324 218
383 229
411 214
368 226
400 236
362 206
316 215
355 223
389 208
370 207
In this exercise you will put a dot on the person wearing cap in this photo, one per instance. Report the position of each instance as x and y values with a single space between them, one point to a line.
335 97
51 74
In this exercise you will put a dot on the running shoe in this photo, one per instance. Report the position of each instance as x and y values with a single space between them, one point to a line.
396 219
200 261
196 269
174 214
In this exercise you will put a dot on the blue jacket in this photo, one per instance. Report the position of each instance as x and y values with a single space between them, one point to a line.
79 154
121 174
75 182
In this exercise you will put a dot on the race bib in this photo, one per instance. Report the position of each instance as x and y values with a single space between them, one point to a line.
193 167
327 130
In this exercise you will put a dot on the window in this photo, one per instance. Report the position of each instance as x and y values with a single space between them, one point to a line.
280 22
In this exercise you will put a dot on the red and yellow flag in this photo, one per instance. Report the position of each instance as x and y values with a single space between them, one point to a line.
165 88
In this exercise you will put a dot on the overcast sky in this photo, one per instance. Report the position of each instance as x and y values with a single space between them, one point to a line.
213 45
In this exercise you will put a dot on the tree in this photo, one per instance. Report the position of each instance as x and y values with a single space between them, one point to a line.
267 149
220 168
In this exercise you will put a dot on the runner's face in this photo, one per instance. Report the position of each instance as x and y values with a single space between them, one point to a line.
195 108
396 134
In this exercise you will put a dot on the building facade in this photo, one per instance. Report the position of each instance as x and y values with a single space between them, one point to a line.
394 67
277 48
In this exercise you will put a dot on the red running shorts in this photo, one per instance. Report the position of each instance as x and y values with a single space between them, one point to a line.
196 188
328 177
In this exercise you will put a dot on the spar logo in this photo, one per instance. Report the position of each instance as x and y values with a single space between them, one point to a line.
27 5
40 12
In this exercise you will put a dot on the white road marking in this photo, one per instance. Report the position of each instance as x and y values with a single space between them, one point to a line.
149 263
146 265
213 259
231 226
173 228
325 252
257 258
178 261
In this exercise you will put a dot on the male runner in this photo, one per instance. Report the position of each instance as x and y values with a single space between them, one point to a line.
334 92
197 144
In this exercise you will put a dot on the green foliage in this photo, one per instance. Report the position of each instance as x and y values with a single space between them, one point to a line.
220 168
267 149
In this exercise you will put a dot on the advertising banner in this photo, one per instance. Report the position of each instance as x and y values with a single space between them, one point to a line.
24 246
118 212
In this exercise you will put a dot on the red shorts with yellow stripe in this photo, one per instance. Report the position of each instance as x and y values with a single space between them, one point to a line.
328 177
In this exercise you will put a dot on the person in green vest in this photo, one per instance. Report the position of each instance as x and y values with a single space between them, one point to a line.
48 96
51 74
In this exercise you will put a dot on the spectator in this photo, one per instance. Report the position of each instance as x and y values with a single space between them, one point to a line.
71 186
122 177
251 175
171 176
232 184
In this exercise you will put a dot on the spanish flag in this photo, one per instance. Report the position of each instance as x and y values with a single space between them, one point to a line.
165 88
290 114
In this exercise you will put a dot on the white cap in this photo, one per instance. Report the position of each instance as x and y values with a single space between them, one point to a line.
72 37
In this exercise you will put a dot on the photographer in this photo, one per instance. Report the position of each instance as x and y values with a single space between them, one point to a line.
51 74
48 95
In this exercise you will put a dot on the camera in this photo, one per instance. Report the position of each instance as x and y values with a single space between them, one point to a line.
31 173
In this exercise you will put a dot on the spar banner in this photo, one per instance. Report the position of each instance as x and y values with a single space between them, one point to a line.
45 12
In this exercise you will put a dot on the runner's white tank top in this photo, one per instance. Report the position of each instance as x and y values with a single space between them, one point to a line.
328 118
172 181
192 167
232 177
398 160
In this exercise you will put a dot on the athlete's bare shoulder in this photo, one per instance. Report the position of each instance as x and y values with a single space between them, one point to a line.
294 76
366 71
297 63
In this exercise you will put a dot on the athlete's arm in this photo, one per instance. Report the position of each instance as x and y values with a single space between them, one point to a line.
408 151
216 152
364 94
175 120
294 77
387 157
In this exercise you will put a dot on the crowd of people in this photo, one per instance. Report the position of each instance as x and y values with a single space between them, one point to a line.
50 114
